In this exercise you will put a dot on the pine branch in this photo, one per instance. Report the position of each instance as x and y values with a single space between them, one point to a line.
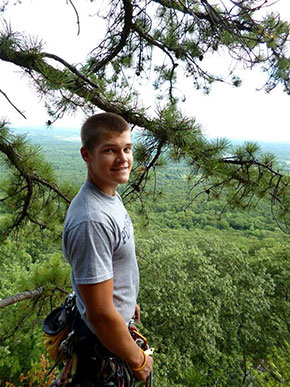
169 130
12 104
20 297
128 10
211 15
24 193
51 186
136 186
251 162
77 16
16 161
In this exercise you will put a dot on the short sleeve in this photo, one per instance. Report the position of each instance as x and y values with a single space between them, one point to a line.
90 246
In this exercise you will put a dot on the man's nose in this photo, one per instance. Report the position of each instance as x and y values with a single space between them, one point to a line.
121 157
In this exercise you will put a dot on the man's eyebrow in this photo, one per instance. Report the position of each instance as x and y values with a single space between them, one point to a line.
116 145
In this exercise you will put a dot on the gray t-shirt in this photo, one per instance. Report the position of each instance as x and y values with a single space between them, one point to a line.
98 242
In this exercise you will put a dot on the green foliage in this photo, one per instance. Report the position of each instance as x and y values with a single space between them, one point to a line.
204 302
28 264
212 290
275 371
214 284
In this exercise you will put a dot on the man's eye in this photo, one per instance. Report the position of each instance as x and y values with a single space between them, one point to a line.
127 150
109 150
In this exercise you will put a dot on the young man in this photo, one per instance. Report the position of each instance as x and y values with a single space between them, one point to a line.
98 241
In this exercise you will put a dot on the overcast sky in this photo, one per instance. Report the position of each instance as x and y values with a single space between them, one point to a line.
238 113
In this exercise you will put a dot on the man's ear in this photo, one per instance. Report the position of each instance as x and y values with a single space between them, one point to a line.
85 154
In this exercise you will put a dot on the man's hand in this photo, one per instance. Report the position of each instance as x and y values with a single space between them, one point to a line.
145 372
137 313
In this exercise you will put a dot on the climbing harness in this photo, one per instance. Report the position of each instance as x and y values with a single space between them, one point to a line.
86 362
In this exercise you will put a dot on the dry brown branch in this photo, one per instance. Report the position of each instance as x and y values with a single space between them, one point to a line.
20 297
12 104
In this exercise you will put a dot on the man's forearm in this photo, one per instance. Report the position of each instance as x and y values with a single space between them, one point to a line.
111 328
113 333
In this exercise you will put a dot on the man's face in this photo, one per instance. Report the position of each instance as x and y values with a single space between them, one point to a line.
110 162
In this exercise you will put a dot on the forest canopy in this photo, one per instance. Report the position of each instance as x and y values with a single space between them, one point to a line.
214 290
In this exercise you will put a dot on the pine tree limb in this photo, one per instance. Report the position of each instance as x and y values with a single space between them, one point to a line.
12 104
20 297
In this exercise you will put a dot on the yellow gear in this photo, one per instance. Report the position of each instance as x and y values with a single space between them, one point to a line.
52 342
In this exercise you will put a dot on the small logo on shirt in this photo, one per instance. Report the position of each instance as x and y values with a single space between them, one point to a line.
126 232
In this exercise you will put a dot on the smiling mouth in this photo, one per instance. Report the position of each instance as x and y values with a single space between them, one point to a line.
121 169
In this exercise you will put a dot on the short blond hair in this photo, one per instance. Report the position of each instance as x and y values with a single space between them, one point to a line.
99 124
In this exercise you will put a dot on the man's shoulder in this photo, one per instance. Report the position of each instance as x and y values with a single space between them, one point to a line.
87 197
88 207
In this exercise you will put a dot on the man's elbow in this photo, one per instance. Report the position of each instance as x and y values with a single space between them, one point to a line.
102 318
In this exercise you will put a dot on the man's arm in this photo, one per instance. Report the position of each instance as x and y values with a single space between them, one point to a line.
111 328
